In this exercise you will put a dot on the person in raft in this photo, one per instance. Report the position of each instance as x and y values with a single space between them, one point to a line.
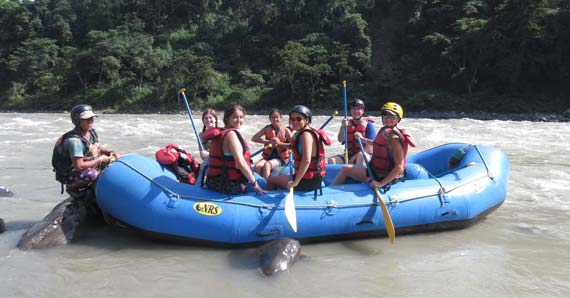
210 121
389 151
357 126
275 138
79 150
307 147
229 168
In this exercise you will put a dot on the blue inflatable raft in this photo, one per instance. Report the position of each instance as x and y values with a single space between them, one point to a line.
140 193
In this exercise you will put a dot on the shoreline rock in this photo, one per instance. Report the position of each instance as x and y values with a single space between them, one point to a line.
2 226
5 192
65 223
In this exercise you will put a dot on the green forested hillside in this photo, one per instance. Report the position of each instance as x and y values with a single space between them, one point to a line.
133 55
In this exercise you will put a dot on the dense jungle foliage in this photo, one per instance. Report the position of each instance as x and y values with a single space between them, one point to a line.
133 55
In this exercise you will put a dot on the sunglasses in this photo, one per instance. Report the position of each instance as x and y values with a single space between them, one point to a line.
390 117
298 119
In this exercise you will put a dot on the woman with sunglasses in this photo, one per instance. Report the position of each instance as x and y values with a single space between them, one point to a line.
229 168
307 148
390 148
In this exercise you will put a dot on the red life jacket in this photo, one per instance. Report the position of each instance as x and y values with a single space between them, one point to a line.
382 161
221 164
270 133
318 163
182 162
352 142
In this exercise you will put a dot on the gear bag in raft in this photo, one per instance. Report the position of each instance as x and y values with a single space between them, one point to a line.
181 162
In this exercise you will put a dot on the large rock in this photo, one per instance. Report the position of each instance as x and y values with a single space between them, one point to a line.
278 255
64 224
5 192
2 226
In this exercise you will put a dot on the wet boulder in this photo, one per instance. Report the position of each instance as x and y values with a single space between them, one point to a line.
278 255
64 224
5 192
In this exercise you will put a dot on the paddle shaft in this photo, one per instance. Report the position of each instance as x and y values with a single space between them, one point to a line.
387 219
191 119
345 117
260 150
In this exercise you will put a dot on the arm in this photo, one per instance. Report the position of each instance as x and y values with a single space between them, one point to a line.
307 141
398 152
257 138
80 162
276 142
234 146
105 151
340 135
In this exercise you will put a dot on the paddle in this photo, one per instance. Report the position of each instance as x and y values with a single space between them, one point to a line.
345 130
290 212
191 119
387 219
260 150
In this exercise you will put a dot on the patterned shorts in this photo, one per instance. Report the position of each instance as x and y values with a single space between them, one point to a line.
223 185
87 175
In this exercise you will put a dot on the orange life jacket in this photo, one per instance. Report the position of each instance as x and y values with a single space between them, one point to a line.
382 161
352 142
270 133
221 164
317 166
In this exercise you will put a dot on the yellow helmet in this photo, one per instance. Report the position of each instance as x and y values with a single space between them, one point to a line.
393 108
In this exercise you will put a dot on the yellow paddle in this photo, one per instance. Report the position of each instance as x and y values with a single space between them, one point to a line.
387 219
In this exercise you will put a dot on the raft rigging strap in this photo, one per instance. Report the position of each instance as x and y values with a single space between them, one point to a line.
329 204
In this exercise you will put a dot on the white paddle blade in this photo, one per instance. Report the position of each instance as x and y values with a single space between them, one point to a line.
290 211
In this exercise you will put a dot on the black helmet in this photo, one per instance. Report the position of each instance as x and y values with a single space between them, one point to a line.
81 111
357 103
303 110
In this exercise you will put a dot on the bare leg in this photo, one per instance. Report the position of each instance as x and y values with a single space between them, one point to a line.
335 160
277 182
259 166
355 172
269 166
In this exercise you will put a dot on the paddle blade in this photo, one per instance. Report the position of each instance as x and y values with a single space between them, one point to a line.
290 211
387 218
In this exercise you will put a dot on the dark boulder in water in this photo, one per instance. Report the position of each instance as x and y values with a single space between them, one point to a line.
64 224
278 255
2 226
5 192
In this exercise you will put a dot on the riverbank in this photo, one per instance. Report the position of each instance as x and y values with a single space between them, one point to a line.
477 115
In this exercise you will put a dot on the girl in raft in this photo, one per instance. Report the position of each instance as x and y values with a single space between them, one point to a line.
210 121
390 148
307 147
357 126
275 138
229 168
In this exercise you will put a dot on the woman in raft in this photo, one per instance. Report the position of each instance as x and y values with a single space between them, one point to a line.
210 121
229 169
275 138
307 147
